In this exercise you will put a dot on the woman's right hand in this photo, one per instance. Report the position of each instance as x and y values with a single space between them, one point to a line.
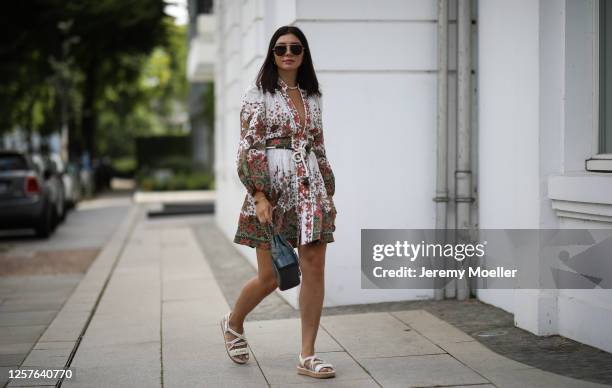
263 208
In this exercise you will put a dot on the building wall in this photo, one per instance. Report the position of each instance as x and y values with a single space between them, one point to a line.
536 129
376 65
376 62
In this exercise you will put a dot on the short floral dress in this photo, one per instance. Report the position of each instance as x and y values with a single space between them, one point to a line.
301 193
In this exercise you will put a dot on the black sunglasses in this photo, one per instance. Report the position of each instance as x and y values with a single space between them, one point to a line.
280 50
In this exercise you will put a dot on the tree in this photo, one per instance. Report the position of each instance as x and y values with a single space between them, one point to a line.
108 39
109 30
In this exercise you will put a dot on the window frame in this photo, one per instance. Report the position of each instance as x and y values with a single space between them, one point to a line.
598 162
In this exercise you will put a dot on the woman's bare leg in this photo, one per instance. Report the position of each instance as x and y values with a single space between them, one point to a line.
312 265
253 292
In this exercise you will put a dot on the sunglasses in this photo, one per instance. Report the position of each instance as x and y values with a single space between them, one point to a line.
296 49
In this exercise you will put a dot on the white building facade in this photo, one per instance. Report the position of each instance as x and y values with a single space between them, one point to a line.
534 123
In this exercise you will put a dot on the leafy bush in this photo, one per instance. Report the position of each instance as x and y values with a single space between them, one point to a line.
178 163
194 180
124 167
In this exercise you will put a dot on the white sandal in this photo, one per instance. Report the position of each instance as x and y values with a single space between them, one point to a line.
234 343
317 364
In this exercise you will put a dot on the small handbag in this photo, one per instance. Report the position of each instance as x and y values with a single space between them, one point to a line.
285 261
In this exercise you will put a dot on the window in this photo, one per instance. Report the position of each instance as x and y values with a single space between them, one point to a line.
12 162
203 6
605 77
603 160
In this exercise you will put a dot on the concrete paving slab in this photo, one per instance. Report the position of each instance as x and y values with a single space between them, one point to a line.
34 281
128 354
282 337
366 383
180 289
15 348
432 327
190 291
116 376
85 306
181 318
20 318
281 370
33 300
12 359
42 296
377 335
420 371
46 285
505 372
4 373
55 345
481 359
202 361
474 386
123 328
20 334
536 378
7 290
47 358
31 306
67 326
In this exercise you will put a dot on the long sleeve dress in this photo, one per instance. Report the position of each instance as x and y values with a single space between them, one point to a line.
303 209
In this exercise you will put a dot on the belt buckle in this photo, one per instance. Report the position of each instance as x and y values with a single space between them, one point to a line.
297 156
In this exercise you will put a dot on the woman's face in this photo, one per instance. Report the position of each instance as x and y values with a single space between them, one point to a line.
289 60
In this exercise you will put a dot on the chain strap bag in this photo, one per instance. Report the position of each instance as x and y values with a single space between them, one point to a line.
285 261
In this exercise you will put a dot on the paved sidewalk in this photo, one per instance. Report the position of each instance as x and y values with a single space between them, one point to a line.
147 314
37 276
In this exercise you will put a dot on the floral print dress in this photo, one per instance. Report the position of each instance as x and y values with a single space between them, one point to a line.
298 182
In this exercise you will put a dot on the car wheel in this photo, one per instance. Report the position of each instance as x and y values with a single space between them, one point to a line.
44 226
61 210
55 220
62 215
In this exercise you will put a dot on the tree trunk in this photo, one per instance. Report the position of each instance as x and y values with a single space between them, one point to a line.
89 116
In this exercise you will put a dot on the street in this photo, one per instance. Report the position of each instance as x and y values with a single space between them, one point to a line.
38 275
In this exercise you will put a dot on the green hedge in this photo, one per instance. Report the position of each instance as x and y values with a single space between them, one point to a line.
173 152
177 181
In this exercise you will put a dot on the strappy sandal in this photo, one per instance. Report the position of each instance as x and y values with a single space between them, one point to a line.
234 343
314 367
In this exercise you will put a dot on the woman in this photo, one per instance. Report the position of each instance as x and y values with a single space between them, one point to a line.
290 184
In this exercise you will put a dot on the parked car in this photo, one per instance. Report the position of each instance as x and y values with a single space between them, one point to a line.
28 194
70 179
53 178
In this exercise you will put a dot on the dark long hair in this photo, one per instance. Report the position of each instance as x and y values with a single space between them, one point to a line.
306 77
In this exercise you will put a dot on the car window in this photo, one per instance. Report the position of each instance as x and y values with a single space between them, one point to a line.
12 162
59 163
39 163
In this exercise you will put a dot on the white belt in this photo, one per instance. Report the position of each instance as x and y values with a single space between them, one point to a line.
298 156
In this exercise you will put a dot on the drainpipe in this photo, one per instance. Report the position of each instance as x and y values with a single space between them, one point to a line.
463 173
441 198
